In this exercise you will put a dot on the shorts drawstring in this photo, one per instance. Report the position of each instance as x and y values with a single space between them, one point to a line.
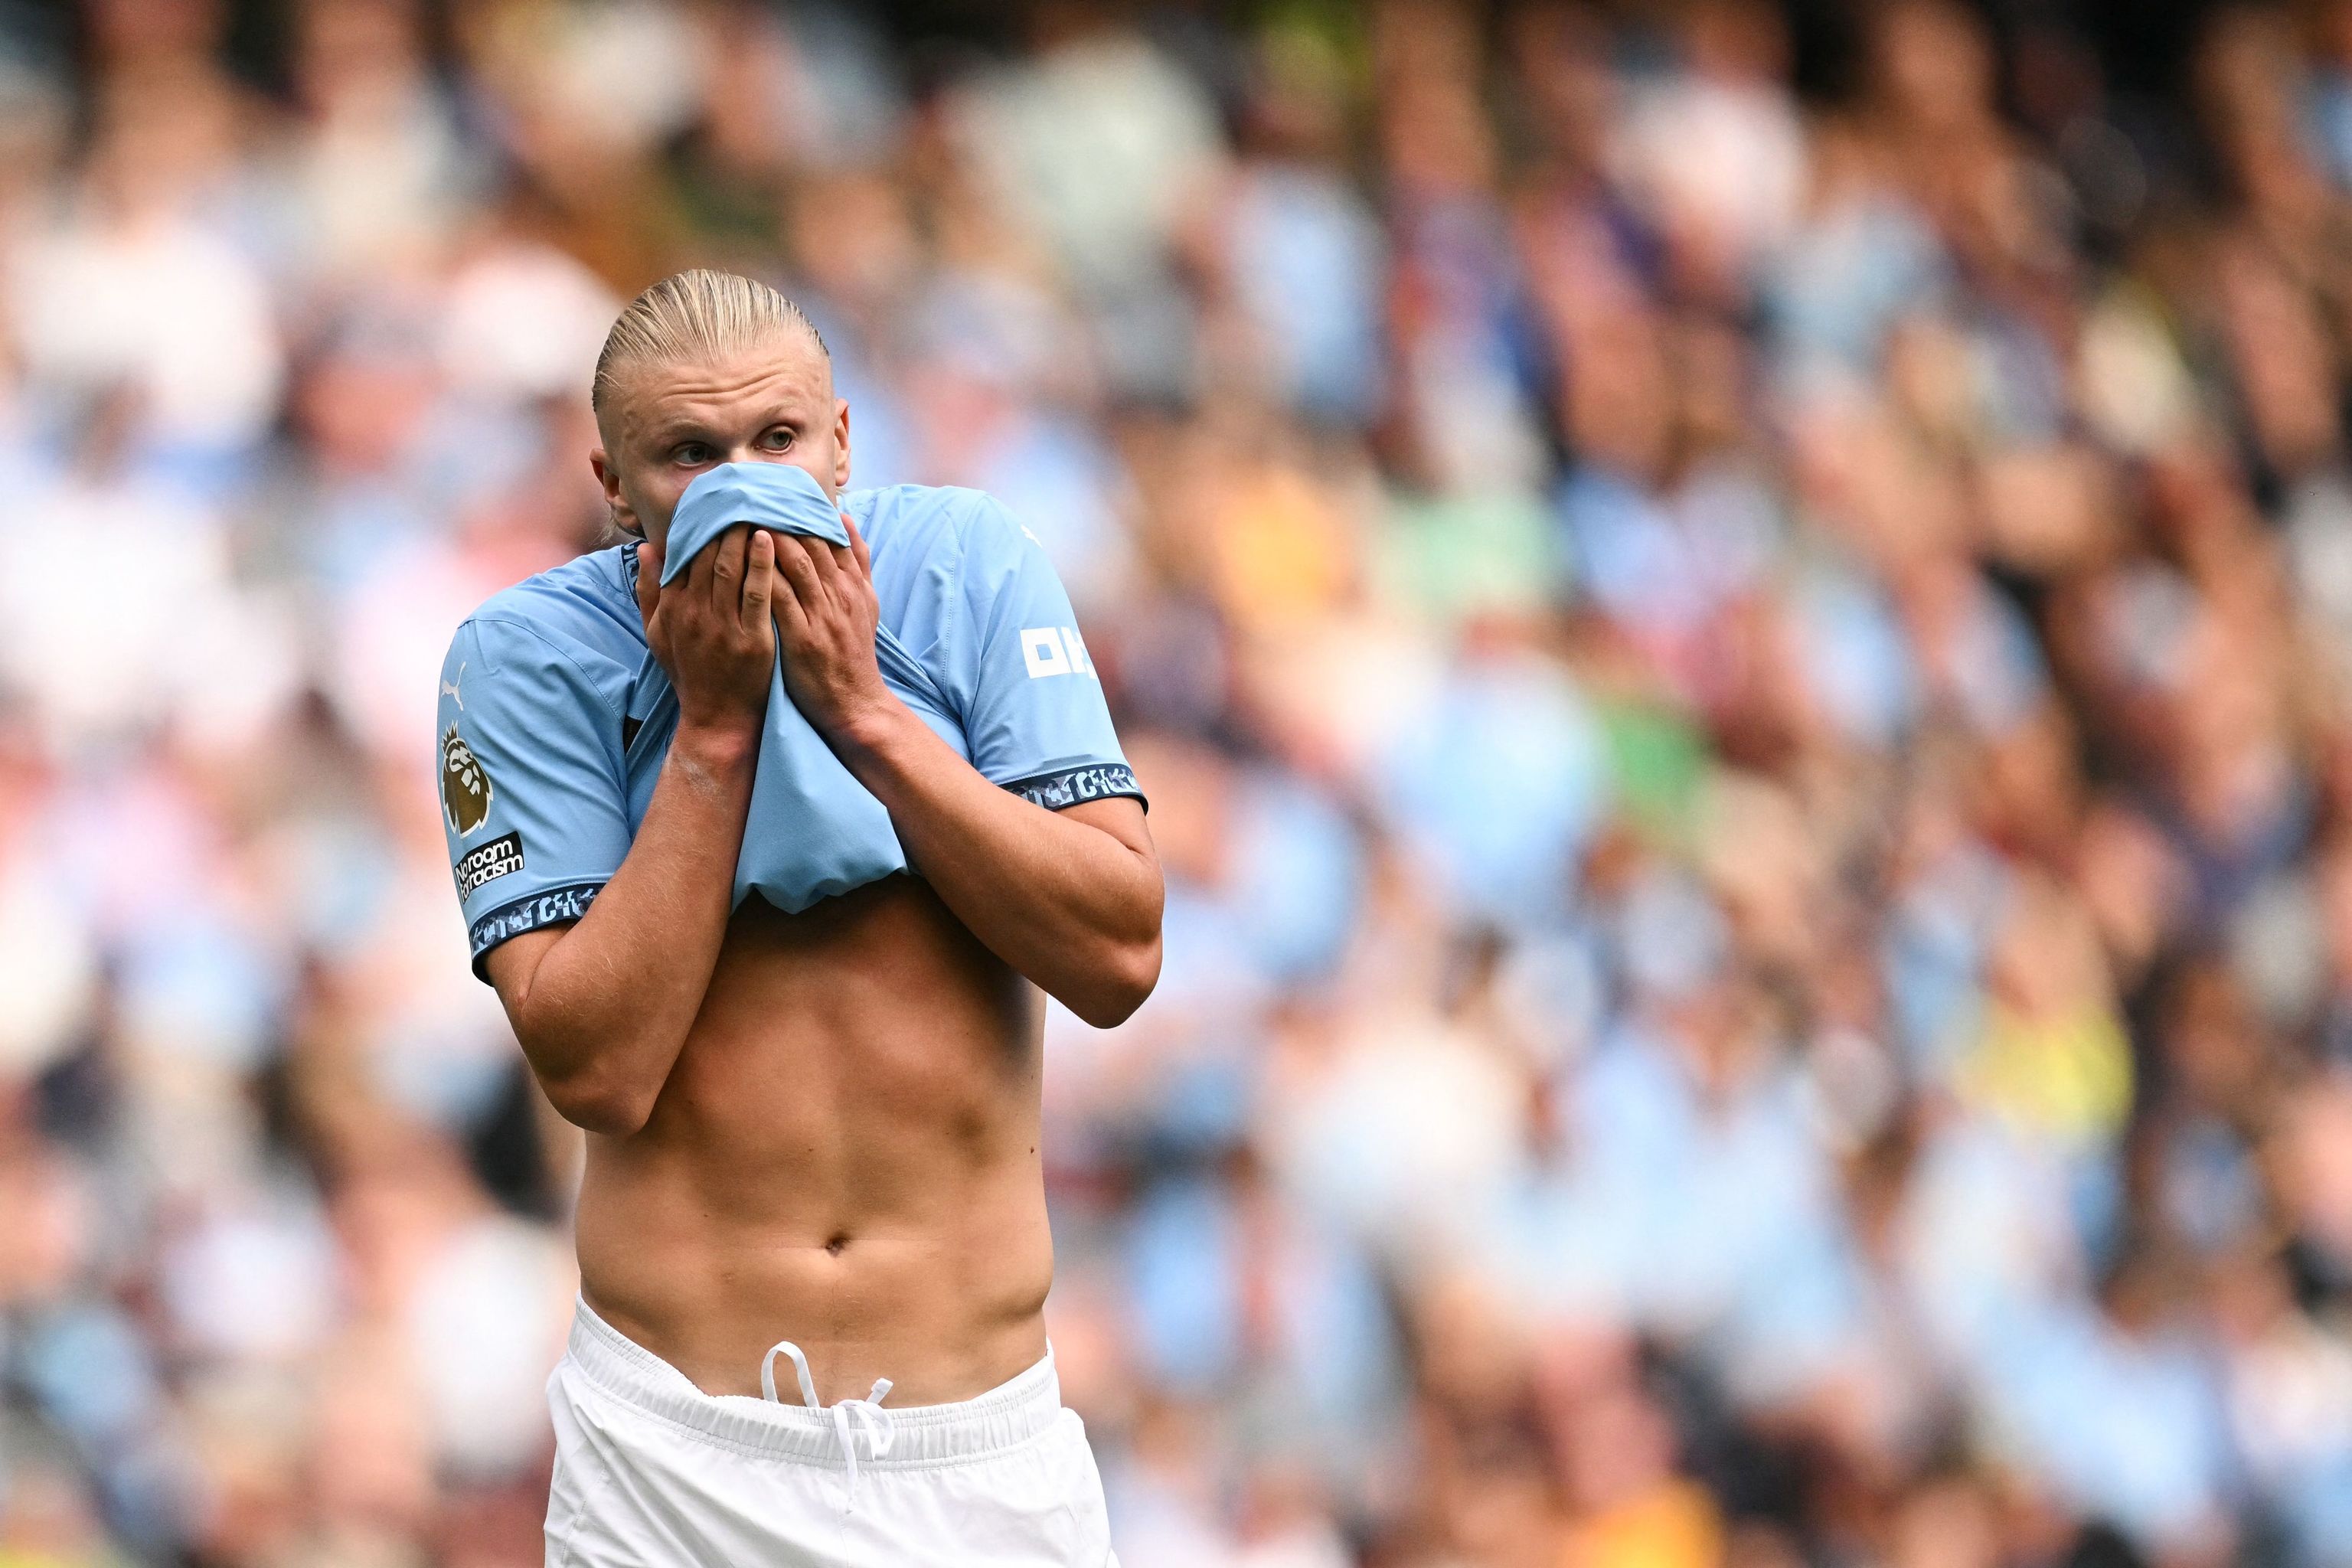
881 1429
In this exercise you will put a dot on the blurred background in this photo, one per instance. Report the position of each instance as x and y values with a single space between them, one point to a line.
1738 618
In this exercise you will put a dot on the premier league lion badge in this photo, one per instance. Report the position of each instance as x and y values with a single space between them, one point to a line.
465 787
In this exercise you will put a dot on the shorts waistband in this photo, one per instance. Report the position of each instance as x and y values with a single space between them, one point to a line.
1010 1414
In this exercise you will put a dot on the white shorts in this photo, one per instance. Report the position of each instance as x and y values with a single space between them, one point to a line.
651 1472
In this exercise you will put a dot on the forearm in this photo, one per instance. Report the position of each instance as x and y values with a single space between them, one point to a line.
604 1010
1071 907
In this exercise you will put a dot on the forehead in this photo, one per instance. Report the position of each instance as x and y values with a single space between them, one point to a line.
788 376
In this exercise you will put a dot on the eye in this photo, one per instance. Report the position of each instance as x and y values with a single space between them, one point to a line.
779 439
692 454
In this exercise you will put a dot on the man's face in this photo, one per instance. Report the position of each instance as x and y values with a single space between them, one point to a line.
666 423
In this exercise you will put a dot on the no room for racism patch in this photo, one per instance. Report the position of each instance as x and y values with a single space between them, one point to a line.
489 863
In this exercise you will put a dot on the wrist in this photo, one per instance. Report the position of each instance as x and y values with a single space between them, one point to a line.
720 744
874 728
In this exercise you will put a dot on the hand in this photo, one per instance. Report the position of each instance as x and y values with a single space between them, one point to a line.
713 629
826 615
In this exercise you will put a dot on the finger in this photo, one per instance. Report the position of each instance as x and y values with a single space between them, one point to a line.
727 567
844 562
649 569
823 555
697 580
788 599
857 546
758 576
799 572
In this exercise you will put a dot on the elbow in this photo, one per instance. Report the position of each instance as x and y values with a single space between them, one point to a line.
592 1066
599 1102
1119 985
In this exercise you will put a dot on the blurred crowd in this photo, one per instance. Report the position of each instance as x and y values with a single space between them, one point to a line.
1740 632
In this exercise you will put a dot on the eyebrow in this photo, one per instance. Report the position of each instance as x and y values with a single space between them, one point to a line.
674 431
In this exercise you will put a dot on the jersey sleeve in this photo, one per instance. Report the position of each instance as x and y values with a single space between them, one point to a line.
532 801
1033 710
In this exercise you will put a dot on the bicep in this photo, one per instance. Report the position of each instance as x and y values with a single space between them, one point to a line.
1128 893
1119 817
514 963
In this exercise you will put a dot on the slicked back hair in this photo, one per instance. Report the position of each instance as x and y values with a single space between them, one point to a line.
695 315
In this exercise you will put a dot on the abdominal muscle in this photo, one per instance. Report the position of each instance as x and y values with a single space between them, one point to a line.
845 1156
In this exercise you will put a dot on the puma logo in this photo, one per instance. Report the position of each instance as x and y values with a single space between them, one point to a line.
449 688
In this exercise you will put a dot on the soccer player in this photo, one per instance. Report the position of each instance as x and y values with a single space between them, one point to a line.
811 1135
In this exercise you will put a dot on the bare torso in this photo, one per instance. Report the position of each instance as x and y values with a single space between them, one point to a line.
845 1155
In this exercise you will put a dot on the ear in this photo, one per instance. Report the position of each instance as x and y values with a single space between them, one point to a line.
608 478
840 444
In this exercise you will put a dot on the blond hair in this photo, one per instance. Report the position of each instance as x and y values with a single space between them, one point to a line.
696 314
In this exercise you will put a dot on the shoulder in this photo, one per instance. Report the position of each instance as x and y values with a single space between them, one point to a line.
580 616
945 559
930 520
583 606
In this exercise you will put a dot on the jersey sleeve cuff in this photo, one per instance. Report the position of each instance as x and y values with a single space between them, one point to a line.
557 906
1072 787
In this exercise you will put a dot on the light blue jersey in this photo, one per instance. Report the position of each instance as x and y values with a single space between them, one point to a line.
555 717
